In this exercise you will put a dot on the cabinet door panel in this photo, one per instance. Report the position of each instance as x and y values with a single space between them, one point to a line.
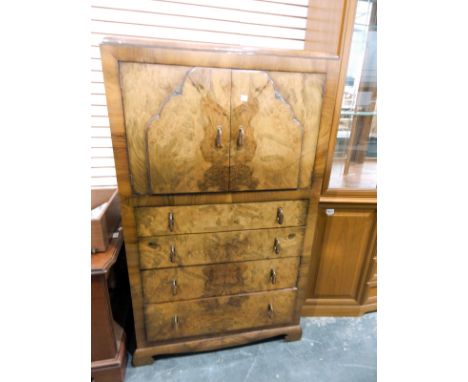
172 118
271 115
343 251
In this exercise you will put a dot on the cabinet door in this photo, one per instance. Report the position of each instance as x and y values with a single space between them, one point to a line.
343 248
272 115
177 127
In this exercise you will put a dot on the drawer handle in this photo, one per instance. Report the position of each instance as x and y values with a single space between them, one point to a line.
280 215
171 221
271 312
175 321
172 254
174 287
240 137
273 276
277 246
219 137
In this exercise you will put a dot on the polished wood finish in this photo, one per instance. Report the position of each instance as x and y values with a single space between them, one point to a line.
272 113
345 241
220 247
175 130
219 217
174 284
178 137
345 248
146 216
219 315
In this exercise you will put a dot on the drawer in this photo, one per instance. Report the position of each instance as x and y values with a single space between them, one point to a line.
153 221
220 247
173 284
219 314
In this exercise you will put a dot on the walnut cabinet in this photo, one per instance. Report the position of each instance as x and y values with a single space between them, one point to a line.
220 155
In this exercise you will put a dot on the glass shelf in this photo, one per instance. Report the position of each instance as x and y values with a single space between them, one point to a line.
355 157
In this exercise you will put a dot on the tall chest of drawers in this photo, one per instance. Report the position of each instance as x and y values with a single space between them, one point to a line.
219 160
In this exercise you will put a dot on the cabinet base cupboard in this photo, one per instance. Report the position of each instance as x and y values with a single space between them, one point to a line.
220 155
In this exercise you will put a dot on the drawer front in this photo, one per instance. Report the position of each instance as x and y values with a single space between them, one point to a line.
173 284
220 247
219 314
153 221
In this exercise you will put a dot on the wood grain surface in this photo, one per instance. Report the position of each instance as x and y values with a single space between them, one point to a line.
218 279
220 247
153 333
304 94
144 88
219 217
269 156
182 151
218 315
344 247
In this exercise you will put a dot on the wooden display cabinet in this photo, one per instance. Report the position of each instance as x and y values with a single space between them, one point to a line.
343 273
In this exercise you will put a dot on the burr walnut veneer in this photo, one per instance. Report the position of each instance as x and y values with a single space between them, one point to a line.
220 155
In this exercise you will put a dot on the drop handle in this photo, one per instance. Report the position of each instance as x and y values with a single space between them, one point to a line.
219 137
174 287
277 246
280 215
271 312
273 276
175 321
170 221
172 254
240 138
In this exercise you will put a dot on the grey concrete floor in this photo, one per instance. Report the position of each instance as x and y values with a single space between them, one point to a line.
331 350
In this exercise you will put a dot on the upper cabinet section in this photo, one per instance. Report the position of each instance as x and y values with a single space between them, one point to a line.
199 129
355 157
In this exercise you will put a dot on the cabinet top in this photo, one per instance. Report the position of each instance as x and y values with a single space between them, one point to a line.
220 48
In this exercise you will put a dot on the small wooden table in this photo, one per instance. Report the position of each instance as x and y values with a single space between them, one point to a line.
108 350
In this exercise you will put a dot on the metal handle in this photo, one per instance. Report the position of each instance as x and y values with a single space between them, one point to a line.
270 310
277 246
280 215
174 287
219 137
172 254
171 221
175 321
273 276
240 137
